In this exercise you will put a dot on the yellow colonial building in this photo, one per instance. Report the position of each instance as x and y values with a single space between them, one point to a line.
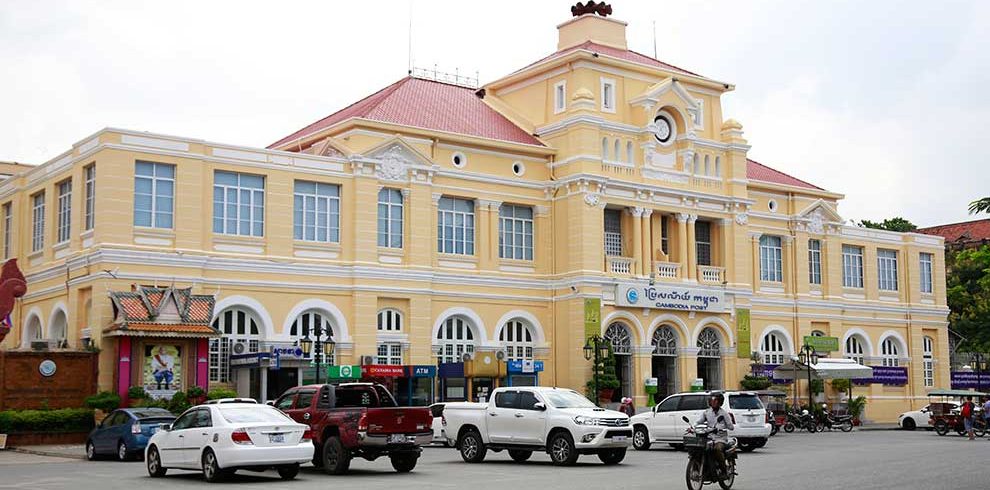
432 222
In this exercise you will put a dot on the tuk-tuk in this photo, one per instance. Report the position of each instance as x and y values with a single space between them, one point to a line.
945 416
776 404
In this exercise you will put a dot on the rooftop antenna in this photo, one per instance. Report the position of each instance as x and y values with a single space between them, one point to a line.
409 68
654 39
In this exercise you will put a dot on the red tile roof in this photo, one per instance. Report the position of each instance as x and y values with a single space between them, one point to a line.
168 328
758 171
138 311
965 232
429 105
623 54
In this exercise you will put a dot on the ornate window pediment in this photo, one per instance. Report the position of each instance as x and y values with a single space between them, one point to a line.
818 218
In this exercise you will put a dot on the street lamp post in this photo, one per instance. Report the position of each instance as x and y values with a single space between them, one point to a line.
808 356
595 347
322 346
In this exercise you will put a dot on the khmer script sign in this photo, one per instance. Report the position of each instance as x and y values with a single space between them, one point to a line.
670 298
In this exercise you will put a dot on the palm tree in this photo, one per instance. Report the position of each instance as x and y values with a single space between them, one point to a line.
980 206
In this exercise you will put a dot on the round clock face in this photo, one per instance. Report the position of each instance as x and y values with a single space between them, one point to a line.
663 129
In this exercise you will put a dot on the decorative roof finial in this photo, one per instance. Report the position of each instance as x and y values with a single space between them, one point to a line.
591 7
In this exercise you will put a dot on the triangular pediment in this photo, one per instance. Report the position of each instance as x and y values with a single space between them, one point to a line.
818 217
330 147
394 157
653 94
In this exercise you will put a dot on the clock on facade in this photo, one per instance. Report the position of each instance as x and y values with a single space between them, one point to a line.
664 130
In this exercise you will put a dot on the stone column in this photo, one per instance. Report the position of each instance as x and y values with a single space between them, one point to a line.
755 237
434 259
637 248
486 237
787 263
682 244
647 242
692 249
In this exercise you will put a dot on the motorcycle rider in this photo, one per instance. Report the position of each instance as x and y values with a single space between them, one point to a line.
710 417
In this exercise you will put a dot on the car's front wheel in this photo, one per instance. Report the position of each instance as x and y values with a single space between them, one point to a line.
90 451
404 462
154 463
562 450
289 471
908 424
641 438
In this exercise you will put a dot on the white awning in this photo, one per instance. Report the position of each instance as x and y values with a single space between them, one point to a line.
825 369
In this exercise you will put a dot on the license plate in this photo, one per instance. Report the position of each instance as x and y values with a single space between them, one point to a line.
619 438
396 439
751 418
276 438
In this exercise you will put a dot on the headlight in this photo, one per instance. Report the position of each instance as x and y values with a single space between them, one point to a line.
582 420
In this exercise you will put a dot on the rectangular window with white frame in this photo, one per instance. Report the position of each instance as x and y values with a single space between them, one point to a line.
613 232
771 259
887 269
89 184
608 94
238 204
390 218
38 222
64 217
928 361
703 242
389 353
455 226
815 261
515 232
560 97
154 194
852 266
926 272
316 212
8 221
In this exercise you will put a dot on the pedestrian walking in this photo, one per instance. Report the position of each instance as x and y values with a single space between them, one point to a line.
967 411
627 407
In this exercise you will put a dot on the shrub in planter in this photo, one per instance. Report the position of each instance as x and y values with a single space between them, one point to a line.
196 395
62 420
104 400
179 403
136 395
856 407
751 382
608 382
217 393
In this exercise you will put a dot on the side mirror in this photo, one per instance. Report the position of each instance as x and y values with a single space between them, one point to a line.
165 427
540 406
654 409
270 403
685 419
924 410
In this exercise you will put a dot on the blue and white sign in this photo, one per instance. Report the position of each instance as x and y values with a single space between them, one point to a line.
423 371
527 367
665 297
47 368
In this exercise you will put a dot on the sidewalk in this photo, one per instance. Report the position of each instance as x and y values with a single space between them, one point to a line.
76 451
879 427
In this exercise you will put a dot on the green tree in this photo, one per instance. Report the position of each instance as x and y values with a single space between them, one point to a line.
968 295
891 224
980 206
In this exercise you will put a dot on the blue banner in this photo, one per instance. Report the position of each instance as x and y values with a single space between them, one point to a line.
893 376
766 371
965 380
421 371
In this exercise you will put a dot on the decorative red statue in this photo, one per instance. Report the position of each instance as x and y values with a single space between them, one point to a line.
12 286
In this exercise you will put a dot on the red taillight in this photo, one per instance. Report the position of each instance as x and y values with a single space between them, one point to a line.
363 423
240 436
307 435
136 428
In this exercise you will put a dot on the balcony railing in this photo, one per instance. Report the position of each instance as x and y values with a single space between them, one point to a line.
620 265
711 274
668 270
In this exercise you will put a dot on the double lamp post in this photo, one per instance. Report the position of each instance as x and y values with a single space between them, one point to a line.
321 346
808 356
595 348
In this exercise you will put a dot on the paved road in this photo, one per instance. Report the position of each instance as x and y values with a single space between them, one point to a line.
861 460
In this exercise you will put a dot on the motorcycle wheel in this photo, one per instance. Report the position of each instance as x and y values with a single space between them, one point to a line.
730 475
820 427
695 474
774 429
979 429
846 426
810 427
789 427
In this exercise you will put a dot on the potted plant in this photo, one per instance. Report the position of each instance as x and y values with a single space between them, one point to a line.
136 395
607 382
102 403
752 382
856 407
196 395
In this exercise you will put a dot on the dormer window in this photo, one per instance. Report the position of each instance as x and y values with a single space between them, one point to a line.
608 95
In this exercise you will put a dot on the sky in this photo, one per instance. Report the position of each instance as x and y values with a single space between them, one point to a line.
883 101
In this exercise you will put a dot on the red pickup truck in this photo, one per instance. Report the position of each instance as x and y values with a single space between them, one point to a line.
358 419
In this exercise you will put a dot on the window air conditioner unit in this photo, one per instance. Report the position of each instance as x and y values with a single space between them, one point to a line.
467 356
367 360
500 355
240 348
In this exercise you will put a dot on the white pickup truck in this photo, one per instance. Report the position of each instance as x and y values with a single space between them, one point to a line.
521 420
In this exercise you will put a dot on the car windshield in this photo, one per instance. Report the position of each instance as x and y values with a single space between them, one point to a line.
252 414
745 402
567 399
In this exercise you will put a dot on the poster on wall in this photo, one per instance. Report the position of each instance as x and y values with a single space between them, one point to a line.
162 376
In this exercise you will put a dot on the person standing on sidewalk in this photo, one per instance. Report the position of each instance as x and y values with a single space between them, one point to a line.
967 411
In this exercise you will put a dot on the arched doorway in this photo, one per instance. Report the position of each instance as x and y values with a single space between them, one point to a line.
58 330
617 334
517 338
306 325
32 330
455 337
241 334
665 361
710 358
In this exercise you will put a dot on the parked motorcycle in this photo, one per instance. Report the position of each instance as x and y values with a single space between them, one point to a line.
829 421
802 420
774 424
703 467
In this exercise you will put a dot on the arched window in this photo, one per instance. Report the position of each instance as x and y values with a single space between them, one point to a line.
389 320
709 343
32 330
664 341
888 352
455 338
616 151
697 165
618 335
708 165
718 166
57 330
928 363
604 148
241 335
517 338
772 349
854 349
305 325
629 152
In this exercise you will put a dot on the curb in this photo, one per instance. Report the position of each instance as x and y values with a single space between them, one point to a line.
47 453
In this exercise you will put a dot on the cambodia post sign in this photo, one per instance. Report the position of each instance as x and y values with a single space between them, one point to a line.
670 298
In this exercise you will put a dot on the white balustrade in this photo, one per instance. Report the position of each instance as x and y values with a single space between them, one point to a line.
711 274
668 270
620 265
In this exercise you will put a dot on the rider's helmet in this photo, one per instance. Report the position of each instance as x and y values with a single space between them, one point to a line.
804 412
717 395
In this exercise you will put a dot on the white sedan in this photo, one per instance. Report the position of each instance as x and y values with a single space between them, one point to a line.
918 419
222 437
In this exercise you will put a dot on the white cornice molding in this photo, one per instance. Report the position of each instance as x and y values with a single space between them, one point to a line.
596 121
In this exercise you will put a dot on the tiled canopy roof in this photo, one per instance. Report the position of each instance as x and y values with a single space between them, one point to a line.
965 232
138 312
623 54
429 105
758 171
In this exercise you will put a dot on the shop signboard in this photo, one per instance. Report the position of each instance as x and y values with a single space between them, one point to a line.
670 298
766 371
162 370
592 317
422 371
383 371
344 372
966 380
892 376
743 342
822 344
451 370
520 366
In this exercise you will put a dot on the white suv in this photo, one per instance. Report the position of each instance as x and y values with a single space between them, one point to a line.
663 423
